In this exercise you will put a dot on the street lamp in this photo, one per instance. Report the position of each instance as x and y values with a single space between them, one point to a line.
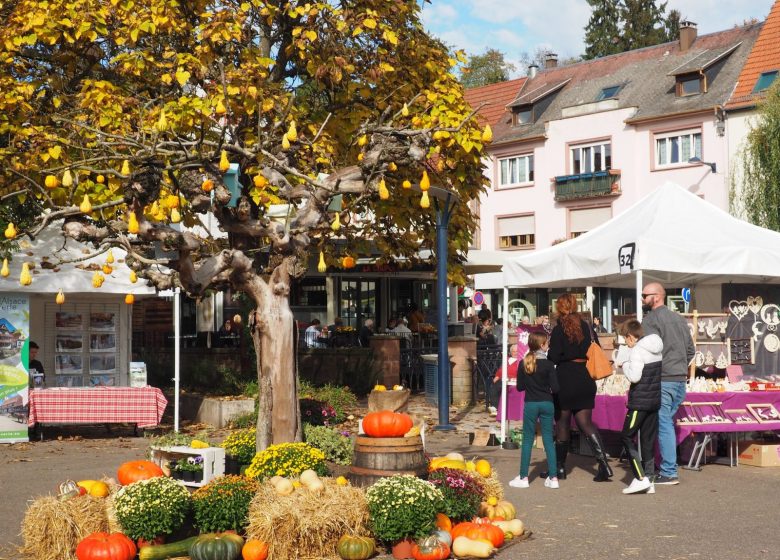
698 160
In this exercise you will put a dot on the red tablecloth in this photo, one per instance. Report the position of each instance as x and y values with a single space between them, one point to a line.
691 417
143 406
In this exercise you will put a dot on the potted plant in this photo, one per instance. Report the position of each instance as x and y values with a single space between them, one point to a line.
151 508
402 508
240 448
287 459
223 504
461 490
191 468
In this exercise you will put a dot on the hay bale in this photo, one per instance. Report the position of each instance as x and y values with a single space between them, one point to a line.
305 525
51 529
493 486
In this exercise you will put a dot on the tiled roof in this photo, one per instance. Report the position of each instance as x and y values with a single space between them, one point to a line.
495 96
764 57
540 91
644 75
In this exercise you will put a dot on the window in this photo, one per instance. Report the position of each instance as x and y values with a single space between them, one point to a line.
581 221
677 147
516 232
765 80
524 116
608 93
516 171
591 158
689 84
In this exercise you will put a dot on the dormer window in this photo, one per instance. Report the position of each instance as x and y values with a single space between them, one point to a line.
524 116
690 84
608 93
765 80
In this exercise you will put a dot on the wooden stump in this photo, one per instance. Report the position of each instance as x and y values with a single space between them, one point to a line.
377 458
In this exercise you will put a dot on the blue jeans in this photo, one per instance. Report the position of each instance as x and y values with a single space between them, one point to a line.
672 395
544 411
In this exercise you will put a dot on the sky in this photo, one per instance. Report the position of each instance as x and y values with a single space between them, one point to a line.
517 26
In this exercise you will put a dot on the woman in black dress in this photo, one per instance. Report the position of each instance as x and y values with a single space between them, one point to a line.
569 344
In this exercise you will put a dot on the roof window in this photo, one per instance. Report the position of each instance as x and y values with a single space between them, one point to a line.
765 80
608 93
690 84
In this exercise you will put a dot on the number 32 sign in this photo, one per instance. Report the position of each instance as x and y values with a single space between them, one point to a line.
626 256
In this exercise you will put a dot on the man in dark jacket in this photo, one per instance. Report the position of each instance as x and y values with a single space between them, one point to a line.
677 355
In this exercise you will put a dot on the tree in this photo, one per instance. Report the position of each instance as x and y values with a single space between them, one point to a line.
487 68
602 34
755 192
643 23
672 26
120 118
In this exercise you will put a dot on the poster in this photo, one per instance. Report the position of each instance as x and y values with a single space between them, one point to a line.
14 378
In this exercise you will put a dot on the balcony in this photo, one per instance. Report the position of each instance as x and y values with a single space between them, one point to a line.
587 185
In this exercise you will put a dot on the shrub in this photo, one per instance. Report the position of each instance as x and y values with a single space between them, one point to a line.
241 444
316 413
287 459
337 447
153 507
462 492
403 506
223 504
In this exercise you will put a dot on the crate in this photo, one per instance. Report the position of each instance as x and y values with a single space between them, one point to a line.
213 460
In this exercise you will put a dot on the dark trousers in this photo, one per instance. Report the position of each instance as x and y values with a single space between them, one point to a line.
646 423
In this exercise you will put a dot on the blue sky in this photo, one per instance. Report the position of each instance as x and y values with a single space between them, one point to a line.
515 26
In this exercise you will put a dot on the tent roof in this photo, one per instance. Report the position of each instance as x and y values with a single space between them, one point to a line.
681 240
50 246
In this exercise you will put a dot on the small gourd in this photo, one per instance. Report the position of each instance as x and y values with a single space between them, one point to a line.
425 202
406 184
51 182
125 168
132 223
425 182
60 299
284 487
217 546
162 122
129 299
255 549
464 546
321 266
5 271
336 225
224 162
109 256
133 277
86 205
292 132
175 216
384 194
25 279
67 179
355 548
285 142
10 231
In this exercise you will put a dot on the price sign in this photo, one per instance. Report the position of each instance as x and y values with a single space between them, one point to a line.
626 256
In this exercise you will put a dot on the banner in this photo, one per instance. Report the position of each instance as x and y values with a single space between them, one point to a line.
14 377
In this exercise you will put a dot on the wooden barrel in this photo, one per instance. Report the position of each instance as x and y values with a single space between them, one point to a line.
377 458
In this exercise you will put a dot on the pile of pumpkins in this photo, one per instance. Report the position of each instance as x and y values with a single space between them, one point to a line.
308 479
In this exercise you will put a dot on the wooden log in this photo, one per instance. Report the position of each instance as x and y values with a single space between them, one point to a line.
376 458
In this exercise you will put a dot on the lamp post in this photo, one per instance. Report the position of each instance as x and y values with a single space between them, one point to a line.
712 165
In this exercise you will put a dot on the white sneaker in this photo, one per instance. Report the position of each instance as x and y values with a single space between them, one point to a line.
492 410
551 483
651 490
638 486
518 482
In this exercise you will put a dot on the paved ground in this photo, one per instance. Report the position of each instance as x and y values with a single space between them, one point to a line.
718 513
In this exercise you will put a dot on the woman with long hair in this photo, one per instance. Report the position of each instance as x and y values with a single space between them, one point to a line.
569 342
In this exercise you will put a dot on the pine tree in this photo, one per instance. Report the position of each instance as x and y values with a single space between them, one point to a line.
602 34
672 26
643 23
487 68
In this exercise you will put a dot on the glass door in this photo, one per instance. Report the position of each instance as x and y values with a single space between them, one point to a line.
357 302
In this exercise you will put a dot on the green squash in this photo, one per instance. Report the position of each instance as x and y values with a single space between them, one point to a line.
355 548
217 546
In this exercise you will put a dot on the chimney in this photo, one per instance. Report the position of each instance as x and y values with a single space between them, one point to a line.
533 68
687 35
550 60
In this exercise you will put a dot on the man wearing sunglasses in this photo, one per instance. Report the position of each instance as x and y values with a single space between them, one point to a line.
677 355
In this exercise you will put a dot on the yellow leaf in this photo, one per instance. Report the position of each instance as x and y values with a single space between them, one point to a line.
390 37
385 67
182 76
370 23
55 152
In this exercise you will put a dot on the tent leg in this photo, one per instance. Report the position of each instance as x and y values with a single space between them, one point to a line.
504 342
639 295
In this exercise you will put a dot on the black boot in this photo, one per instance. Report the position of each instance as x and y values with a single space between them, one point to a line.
561 451
605 471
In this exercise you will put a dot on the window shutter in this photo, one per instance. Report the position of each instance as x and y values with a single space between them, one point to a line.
517 225
589 218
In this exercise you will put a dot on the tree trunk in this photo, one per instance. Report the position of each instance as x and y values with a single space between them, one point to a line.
278 416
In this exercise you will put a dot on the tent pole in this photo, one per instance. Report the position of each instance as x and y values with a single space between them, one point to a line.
176 356
639 295
504 342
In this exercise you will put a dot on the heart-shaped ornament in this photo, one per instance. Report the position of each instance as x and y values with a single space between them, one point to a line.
739 309
755 304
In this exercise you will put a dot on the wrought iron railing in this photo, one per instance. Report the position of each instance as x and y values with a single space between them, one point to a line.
412 374
483 370
586 185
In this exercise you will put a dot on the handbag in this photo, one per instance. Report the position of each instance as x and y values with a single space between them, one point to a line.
598 365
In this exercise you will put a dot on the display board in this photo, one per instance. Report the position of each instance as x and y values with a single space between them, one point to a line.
14 377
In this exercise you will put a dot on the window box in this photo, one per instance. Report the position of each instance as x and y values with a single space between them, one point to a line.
587 185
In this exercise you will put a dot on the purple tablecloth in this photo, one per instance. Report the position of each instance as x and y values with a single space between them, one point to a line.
744 412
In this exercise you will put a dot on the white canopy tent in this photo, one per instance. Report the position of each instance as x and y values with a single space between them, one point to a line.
670 236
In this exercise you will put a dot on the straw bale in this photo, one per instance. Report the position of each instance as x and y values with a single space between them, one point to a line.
305 525
51 528
493 486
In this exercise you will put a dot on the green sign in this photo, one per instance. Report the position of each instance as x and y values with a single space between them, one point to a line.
14 377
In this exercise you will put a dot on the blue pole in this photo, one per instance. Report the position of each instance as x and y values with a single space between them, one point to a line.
442 223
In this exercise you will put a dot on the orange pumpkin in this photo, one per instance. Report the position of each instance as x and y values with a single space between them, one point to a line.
255 550
387 423
475 531
443 522
348 262
105 546
133 471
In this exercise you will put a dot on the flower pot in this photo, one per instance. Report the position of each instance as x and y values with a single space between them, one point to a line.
232 466
176 474
189 476
403 548
197 476
159 539
242 469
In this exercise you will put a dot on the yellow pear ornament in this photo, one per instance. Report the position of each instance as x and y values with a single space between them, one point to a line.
129 299
60 299
10 231
5 271
336 225
425 202
132 223
125 168
133 277
110 256
67 179
292 132
406 184
51 182
384 194
162 122
321 266
285 142
425 182
175 216
25 279
224 162
86 205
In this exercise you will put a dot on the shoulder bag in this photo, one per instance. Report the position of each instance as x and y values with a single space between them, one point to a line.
598 365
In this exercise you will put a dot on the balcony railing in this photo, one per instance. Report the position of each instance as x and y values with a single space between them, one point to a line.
587 185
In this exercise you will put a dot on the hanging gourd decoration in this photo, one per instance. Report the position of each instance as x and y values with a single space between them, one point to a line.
425 202
133 277
51 182
363 140
224 162
175 216
207 185
348 262
384 194
109 256
336 225
129 299
107 269
97 279
406 184
100 179
487 134
67 179
285 142
162 122
237 319
25 279
260 181
10 231
425 182
86 205
321 266
292 132
5 271
132 223
405 110
60 299
392 166
125 168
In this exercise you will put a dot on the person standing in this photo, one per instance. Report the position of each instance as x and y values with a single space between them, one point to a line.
34 366
677 356
536 376
494 391
641 362
569 343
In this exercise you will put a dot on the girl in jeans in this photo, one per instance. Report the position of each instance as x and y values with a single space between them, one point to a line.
536 376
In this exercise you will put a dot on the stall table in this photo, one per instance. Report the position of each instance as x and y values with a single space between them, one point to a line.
142 406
